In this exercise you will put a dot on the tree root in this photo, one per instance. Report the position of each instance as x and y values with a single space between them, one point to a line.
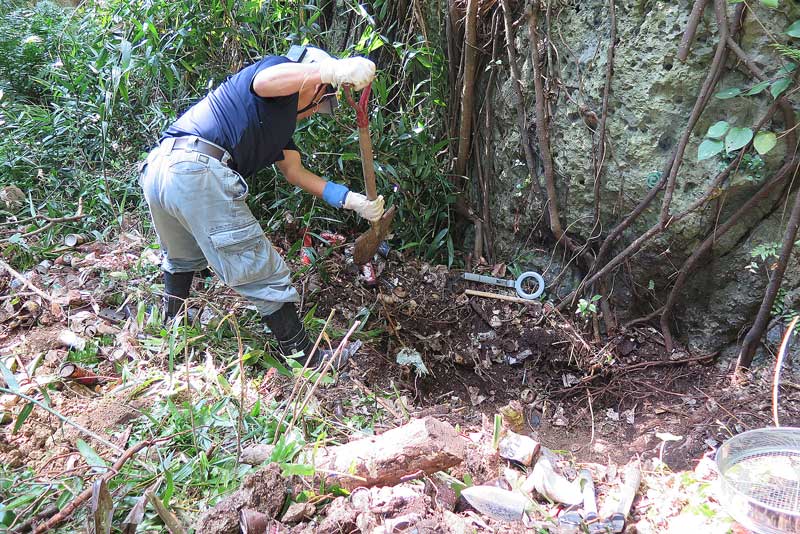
520 101
759 326
691 29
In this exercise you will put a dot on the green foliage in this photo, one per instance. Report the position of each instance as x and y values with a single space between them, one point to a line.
587 308
88 91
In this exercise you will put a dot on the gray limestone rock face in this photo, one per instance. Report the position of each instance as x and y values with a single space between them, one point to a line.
652 96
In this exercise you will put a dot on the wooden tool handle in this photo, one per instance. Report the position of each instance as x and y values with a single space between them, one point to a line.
367 163
364 141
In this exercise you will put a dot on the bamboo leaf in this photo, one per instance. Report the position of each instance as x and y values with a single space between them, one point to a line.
92 458
102 507
794 29
728 93
23 415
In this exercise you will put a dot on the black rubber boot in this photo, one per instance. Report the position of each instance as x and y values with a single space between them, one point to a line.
176 291
292 338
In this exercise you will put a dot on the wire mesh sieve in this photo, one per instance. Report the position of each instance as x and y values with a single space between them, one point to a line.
760 475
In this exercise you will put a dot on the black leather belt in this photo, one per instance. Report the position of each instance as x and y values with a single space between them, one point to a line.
204 147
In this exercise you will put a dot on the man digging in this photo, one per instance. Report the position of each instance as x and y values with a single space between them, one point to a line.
194 183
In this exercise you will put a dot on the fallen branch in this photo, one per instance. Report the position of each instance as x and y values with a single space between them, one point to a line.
70 508
24 281
52 221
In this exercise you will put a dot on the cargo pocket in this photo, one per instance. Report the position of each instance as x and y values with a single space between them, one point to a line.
242 254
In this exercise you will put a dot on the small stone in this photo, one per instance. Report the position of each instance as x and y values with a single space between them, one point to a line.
495 502
518 448
257 454
298 511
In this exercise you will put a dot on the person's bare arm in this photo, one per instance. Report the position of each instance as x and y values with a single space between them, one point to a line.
292 169
285 79
337 195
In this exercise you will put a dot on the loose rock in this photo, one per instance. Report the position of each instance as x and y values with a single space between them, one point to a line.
518 448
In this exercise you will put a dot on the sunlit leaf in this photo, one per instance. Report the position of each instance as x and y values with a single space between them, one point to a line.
718 130
737 138
764 142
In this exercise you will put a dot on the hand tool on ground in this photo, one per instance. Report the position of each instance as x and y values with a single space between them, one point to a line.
517 284
367 244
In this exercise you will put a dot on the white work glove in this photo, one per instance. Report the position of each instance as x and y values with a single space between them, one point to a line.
355 71
372 210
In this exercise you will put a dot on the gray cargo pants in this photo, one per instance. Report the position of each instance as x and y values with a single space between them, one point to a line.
198 208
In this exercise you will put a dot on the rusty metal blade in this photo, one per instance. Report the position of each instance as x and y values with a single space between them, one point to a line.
367 243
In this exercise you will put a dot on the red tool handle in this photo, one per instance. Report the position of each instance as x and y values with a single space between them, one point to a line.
364 141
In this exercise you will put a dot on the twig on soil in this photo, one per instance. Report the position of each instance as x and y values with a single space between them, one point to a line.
63 418
52 221
498 296
26 282
26 525
299 382
778 365
322 373
67 511
591 414
645 365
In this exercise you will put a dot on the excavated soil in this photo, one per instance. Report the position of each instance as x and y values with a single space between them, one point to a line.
600 402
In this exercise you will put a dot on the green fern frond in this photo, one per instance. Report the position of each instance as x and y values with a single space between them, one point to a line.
788 51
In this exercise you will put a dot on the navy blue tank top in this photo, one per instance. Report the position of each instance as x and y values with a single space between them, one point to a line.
253 129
